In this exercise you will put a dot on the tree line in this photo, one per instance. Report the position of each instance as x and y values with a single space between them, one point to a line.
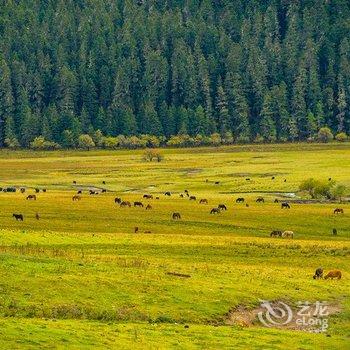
266 71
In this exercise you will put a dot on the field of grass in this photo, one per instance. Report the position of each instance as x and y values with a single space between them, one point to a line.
80 277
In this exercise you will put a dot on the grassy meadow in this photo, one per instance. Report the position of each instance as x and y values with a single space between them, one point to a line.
80 278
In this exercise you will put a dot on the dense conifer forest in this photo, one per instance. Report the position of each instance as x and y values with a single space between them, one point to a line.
267 70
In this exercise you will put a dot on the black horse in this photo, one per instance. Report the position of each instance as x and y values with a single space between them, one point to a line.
18 217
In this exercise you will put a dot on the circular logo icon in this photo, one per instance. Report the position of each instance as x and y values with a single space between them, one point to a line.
275 314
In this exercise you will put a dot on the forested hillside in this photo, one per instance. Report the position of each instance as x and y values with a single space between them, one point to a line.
276 70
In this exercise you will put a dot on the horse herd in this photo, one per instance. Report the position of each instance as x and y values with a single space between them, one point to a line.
176 215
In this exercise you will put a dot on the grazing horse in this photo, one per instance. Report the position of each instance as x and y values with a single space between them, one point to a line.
74 182
37 216
18 217
181 195
157 198
104 190
103 182
285 180
176 216
31 197
23 190
125 204
117 200
333 274
215 211
247 179
149 207
217 182
186 191
240 200
339 211
203 201
136 229
44 190
147 196
193 198
260 200
288 234
276 233
138 204
222 207
37 190
335 232
318 273
276 201
272 178
167 194
285 205
80 192
76 198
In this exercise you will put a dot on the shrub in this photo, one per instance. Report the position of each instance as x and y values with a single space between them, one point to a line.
259 139
12 143
341 137
325 135
319 189
338 191
151 154
97 137
109 142
133 142
86 142
39 143
151 141
215 139
227 138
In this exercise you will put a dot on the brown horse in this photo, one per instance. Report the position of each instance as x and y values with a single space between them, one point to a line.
149 207
138 204
285 205
76 198
125 204
147 196
176 216
215 211
203 201
333 274
338 211
193 198
222 207
31 197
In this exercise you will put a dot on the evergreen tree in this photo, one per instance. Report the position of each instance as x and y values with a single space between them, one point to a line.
222 110
267 125
6 100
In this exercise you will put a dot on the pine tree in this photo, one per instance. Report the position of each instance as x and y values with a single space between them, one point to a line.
6 99
237 107
267 125
150 121
281 113
222 110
